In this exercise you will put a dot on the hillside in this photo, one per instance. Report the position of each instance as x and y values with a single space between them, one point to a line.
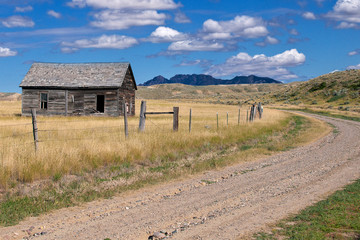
10 96
338 89
204 80
225 94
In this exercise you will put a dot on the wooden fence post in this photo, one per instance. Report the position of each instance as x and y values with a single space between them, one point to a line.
247 115
260 110
250 114
35 129
125 120
190 121
176 119
142 116
254 112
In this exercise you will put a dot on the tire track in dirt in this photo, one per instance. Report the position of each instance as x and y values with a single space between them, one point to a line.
237 201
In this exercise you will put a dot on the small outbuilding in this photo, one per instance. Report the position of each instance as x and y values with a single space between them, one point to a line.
79 89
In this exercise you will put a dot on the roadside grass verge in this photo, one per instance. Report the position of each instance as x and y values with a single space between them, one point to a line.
324 113
337 217
72 179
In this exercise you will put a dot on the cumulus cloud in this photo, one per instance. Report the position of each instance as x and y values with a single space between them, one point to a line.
105 41
17 21
24 9
123 14
7 52
195 46
118 19
54 14
353 67
274 66
268 41
347 12
166 34
126 4
239 27
309 15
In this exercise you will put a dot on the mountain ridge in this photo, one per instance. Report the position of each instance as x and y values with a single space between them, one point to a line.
204 80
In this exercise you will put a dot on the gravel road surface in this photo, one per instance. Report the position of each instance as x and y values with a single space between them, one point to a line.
227 204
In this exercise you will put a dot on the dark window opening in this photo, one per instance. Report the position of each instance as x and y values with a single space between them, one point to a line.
100 103
43 100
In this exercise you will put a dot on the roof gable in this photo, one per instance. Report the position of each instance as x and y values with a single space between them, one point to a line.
76 75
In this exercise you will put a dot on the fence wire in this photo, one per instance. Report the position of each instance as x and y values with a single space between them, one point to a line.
116 130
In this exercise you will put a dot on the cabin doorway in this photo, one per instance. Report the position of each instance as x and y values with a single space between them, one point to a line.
100 103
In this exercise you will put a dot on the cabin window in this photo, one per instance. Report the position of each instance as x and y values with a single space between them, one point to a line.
43 100
100 103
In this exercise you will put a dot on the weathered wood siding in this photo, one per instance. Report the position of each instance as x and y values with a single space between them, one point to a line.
55 104
79 102
75 103
30 99
127 93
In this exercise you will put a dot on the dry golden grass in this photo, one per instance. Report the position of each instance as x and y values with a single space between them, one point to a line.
72 145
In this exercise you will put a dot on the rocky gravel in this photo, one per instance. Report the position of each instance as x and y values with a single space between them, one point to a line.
227 204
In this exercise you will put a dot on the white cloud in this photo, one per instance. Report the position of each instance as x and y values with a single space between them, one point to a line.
17 21
355 52
346 11
239 27
24 9
268 41
69 49
309 15
105 41
117 19
6 52
181 18
353 67
202 63
54 14
294 32
166 34
345 25
195 45
261 65
126 4
271 40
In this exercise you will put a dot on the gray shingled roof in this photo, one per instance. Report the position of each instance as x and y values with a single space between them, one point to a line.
76 75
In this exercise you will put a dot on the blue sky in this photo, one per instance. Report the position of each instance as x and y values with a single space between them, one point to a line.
283 39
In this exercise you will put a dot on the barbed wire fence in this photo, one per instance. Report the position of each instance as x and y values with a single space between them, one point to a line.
254 111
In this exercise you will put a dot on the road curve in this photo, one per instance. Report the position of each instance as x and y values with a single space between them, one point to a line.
234 202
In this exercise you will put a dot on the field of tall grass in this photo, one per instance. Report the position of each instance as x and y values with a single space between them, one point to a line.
72 145
81 159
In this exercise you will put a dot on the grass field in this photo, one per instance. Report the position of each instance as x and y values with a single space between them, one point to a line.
84 158
70 145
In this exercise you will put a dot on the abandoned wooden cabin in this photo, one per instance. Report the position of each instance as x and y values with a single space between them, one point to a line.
79 89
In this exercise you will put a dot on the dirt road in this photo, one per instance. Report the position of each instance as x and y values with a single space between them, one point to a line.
226 204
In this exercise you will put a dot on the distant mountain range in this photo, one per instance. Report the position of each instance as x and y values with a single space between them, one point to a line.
203 80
